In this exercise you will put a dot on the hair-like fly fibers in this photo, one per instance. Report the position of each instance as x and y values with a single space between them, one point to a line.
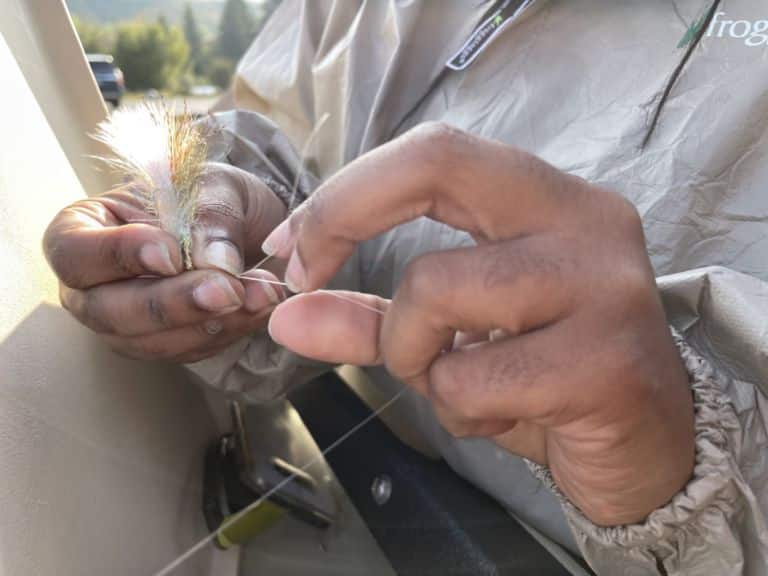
163 153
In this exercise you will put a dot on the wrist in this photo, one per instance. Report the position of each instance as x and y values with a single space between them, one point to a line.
661 458
646 459
706 512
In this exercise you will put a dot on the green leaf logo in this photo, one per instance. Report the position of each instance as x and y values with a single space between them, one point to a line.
690 34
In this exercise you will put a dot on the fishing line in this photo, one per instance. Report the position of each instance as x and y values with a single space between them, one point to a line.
171 170
333 293
303 158
261 262
256 503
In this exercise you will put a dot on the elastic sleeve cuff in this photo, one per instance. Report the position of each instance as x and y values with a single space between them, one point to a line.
694 532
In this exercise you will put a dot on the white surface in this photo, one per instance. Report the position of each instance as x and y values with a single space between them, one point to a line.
99 457
46 49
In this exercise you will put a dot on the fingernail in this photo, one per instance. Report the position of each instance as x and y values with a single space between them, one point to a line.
271 293
216 294
295 275
157 258
222 254
278 239
269 330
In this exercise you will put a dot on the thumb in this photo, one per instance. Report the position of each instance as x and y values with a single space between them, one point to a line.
234 214
332 326
218 233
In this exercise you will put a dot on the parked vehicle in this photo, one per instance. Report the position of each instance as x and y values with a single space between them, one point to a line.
108 76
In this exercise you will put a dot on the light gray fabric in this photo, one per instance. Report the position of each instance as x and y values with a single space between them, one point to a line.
573 81
714 525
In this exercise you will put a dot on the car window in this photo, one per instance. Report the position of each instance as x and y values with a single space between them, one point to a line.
101 67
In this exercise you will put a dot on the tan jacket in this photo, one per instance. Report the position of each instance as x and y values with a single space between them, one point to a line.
575 82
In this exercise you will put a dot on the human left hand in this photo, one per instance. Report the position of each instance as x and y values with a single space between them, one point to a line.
123 277
548 336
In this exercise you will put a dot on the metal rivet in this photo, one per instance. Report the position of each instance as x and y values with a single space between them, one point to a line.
381 489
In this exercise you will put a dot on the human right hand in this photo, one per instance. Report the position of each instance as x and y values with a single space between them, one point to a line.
548 336
123 277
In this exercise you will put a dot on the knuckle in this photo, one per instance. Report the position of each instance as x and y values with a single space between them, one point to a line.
314 212
504 370
619 215
62 261
443 377
84 306
507 264
541 269
427 282
91 312
320 221
444 388
448 385
434 144
117 249
224 180
435 134
636 293
628 216
219 208
65 297
157 312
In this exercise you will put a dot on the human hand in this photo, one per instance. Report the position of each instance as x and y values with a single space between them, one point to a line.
102 249
548 336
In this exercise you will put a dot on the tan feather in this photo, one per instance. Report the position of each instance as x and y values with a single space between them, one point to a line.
164 153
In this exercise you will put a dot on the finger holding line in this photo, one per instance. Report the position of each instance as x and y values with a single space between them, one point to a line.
488 189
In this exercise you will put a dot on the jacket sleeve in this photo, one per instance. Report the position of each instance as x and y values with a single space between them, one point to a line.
255 367
274 83
717 523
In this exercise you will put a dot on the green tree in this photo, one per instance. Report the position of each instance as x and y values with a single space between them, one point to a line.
96 39
151 55
195 41
236 30
220 72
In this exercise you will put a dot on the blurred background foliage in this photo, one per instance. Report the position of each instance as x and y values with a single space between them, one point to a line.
171 45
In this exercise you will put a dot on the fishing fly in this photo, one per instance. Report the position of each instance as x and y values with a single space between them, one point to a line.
164 154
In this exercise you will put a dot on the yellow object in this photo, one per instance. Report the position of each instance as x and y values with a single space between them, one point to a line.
252 523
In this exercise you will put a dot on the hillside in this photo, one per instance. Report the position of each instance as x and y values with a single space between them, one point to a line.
207 12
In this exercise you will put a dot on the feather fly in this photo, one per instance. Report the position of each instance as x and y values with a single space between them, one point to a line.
164 154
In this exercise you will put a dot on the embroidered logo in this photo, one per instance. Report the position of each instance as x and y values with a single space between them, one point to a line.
482 36
753 33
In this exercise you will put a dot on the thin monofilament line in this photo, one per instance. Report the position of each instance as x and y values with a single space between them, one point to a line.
333 293
170 568
353 301
261 262
229 522
303 158
142 221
